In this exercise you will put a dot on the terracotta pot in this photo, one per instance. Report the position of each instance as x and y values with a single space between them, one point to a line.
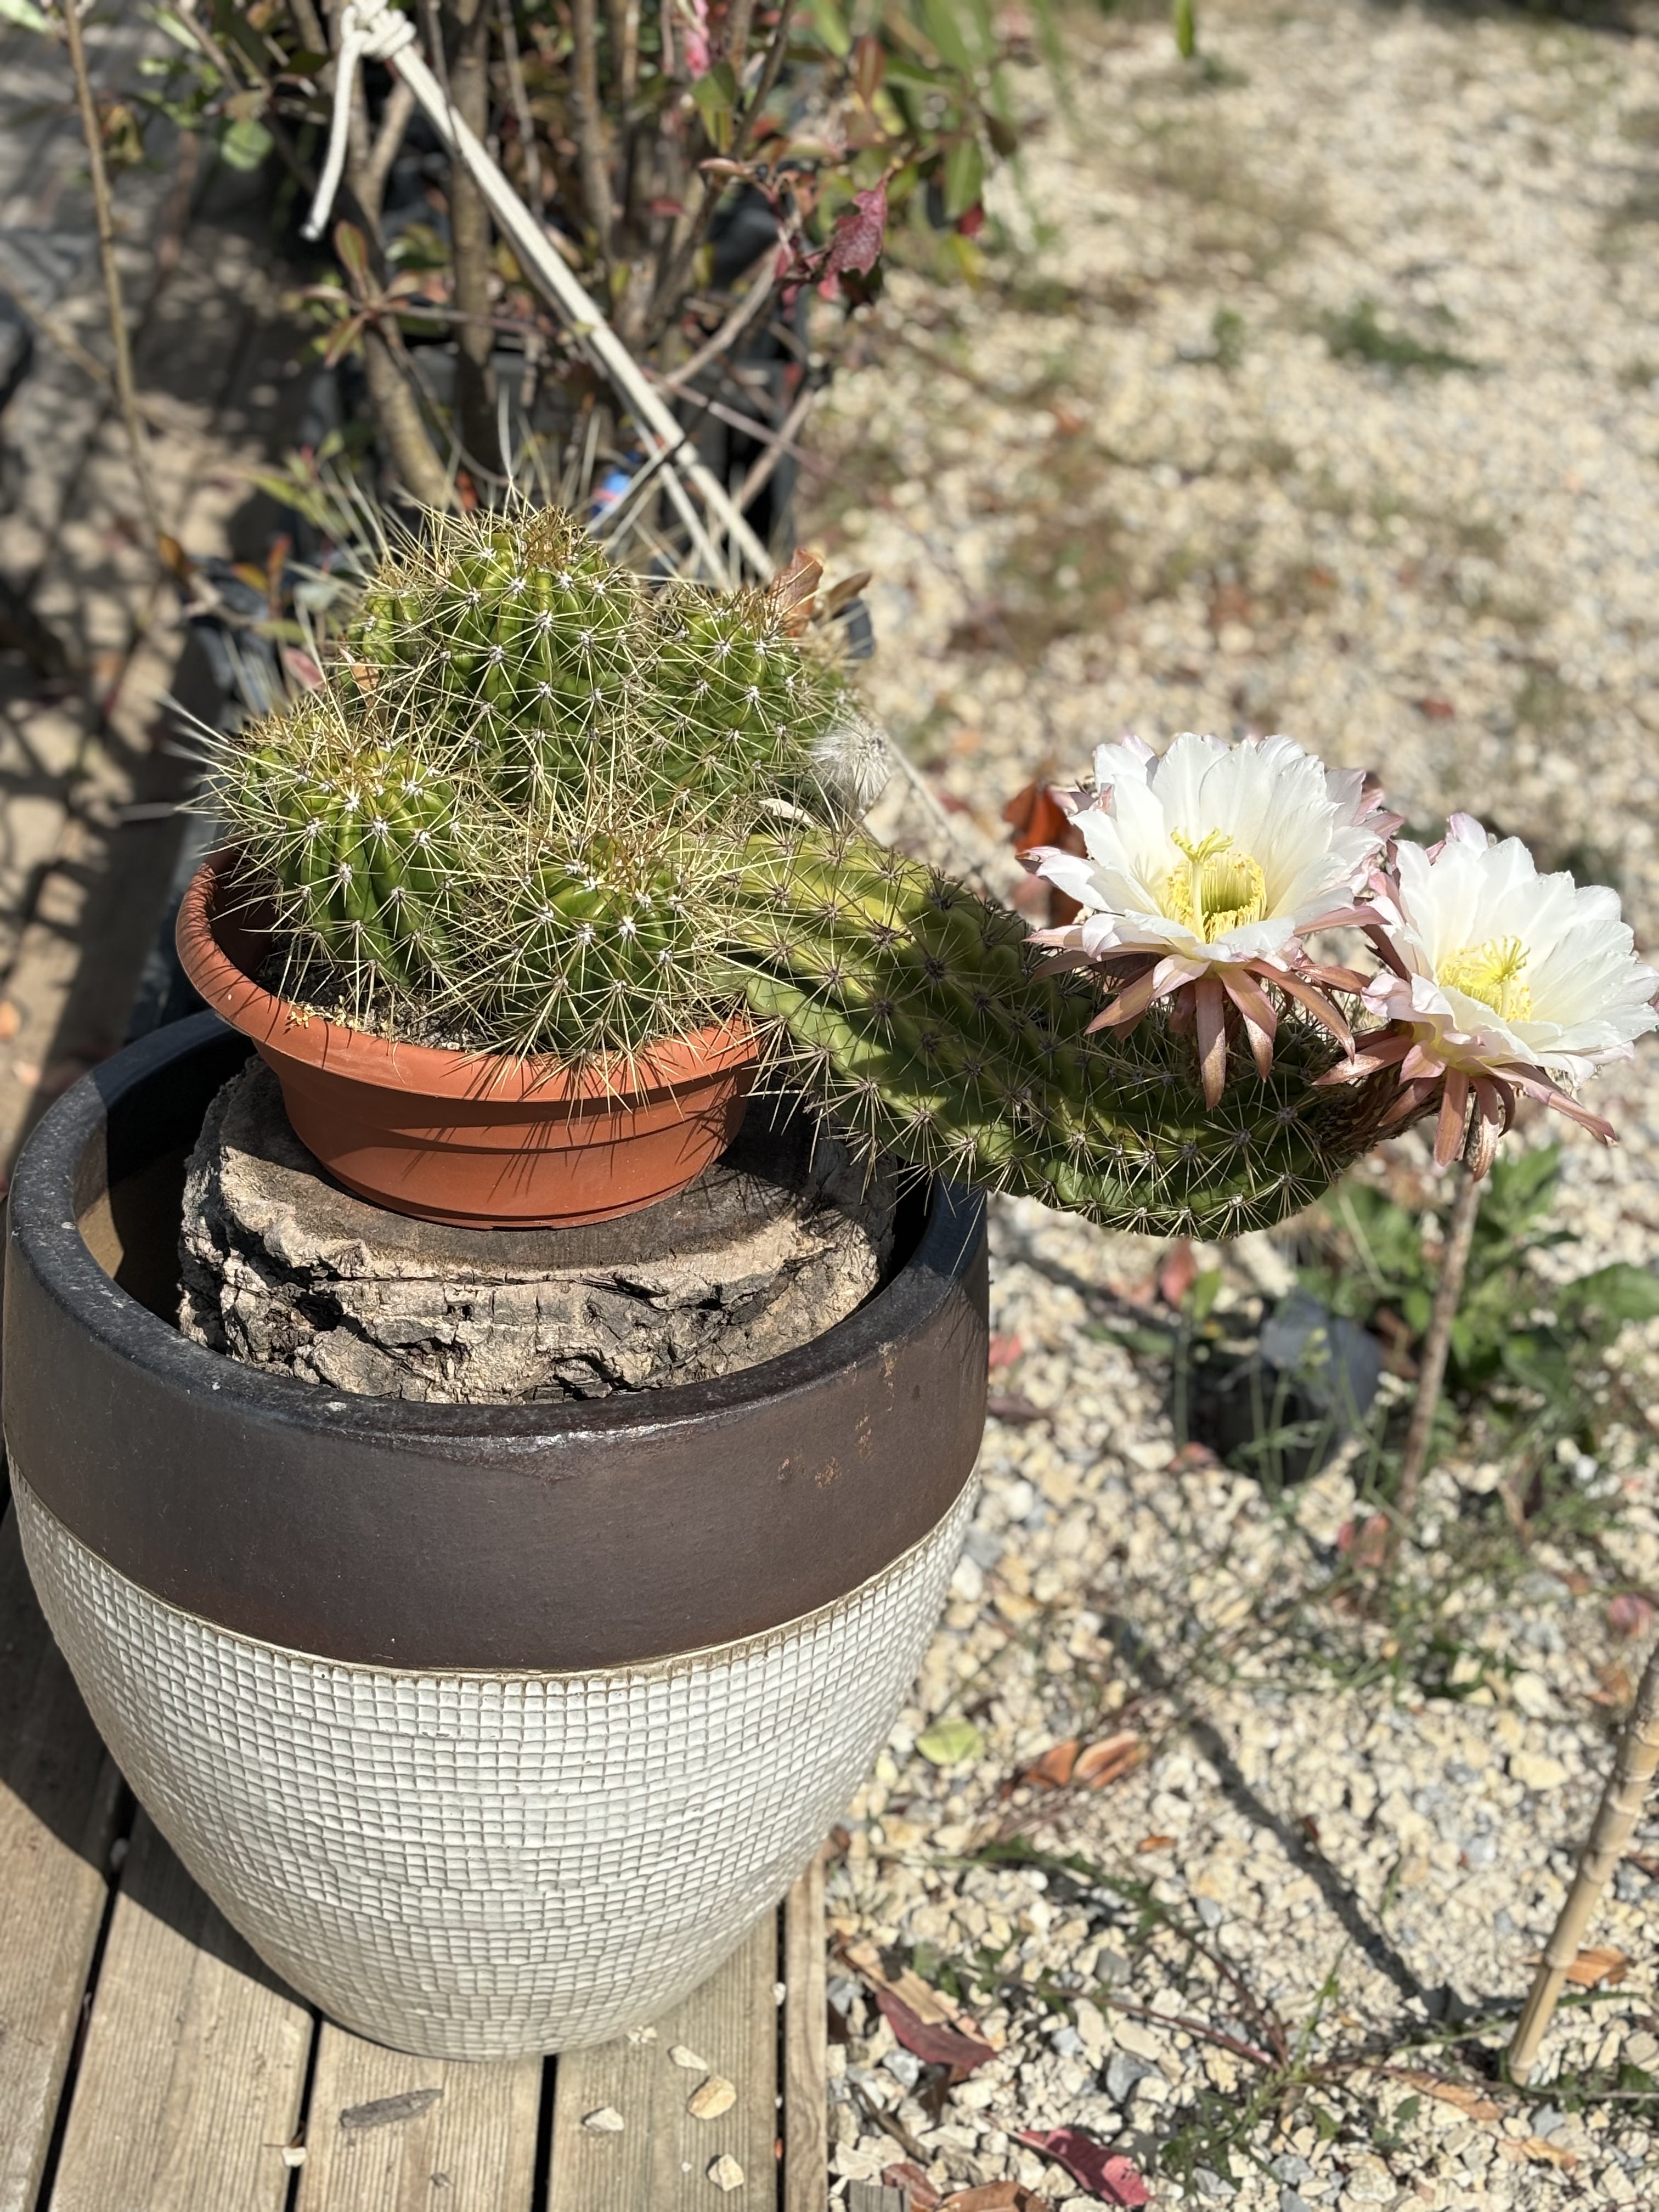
480 1139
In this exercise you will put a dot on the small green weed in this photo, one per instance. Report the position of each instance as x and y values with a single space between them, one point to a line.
1357 335
1513 1332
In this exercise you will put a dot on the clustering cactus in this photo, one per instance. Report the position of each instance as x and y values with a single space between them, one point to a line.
541 807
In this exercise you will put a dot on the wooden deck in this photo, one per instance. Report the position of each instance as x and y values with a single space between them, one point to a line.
150 2063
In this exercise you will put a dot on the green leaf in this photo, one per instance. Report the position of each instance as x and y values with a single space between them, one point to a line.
1622 1292
244 143
715 95
1186 29
942 21
176 28
964 178
950 1742
1004 137
1207 1288
901 70
353 249
831 27
24 14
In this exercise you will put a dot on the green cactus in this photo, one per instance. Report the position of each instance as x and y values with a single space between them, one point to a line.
539 808
915 1014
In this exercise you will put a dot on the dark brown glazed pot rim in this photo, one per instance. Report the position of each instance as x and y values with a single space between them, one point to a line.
544 1537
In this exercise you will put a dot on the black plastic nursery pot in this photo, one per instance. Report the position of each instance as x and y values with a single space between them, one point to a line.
493 1727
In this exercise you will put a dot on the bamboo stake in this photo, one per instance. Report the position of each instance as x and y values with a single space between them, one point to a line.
1633 1767
125 393
1432 1374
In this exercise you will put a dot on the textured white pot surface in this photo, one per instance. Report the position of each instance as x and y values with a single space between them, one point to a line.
488 1865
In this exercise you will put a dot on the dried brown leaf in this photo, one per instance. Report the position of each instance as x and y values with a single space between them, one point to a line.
1468 2101
1054 1768
1108 1761
920 1997
995 2196
906 2174
1603 1964
1520 2150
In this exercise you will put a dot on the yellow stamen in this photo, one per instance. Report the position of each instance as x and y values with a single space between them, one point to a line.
1218 889
1491 972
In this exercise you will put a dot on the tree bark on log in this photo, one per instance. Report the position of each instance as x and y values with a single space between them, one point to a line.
283 1270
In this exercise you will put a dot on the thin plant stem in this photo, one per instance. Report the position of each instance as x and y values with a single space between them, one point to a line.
760 474
529 150
125 393
1432 1373
470 241
753 301
588 117
1633 1767
681 250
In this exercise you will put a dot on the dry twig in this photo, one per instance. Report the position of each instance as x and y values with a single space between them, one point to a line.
125 393
1432 1371
1634 1764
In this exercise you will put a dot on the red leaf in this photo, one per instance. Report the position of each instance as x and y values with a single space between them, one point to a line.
1004 1351
1629 1614
1104 2174
1178 1273
937 2046
858 232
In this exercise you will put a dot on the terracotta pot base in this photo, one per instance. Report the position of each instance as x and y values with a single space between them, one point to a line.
476 1141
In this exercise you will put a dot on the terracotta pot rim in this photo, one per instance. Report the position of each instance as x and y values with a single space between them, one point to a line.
286 1031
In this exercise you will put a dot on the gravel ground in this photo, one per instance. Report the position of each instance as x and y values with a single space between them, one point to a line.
1314 397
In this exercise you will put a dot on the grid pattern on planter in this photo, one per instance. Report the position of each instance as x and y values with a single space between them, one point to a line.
484 1865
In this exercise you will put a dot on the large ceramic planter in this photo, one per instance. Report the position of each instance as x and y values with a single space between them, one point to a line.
479 1139
492 1728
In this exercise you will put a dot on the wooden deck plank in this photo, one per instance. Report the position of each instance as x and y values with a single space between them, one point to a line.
386 2133
805 2060
193 2071
662 2156
58 1792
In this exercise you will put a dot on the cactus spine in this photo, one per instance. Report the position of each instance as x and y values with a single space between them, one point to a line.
538 808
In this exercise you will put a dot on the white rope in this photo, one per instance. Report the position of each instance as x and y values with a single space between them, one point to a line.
369 31
372 30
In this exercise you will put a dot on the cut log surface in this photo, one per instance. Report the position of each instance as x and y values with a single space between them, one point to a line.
388 2133
647 2121
58 1788
192 2080
778 1241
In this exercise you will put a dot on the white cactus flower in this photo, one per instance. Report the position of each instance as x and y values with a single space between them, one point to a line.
1203 868
1501 980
